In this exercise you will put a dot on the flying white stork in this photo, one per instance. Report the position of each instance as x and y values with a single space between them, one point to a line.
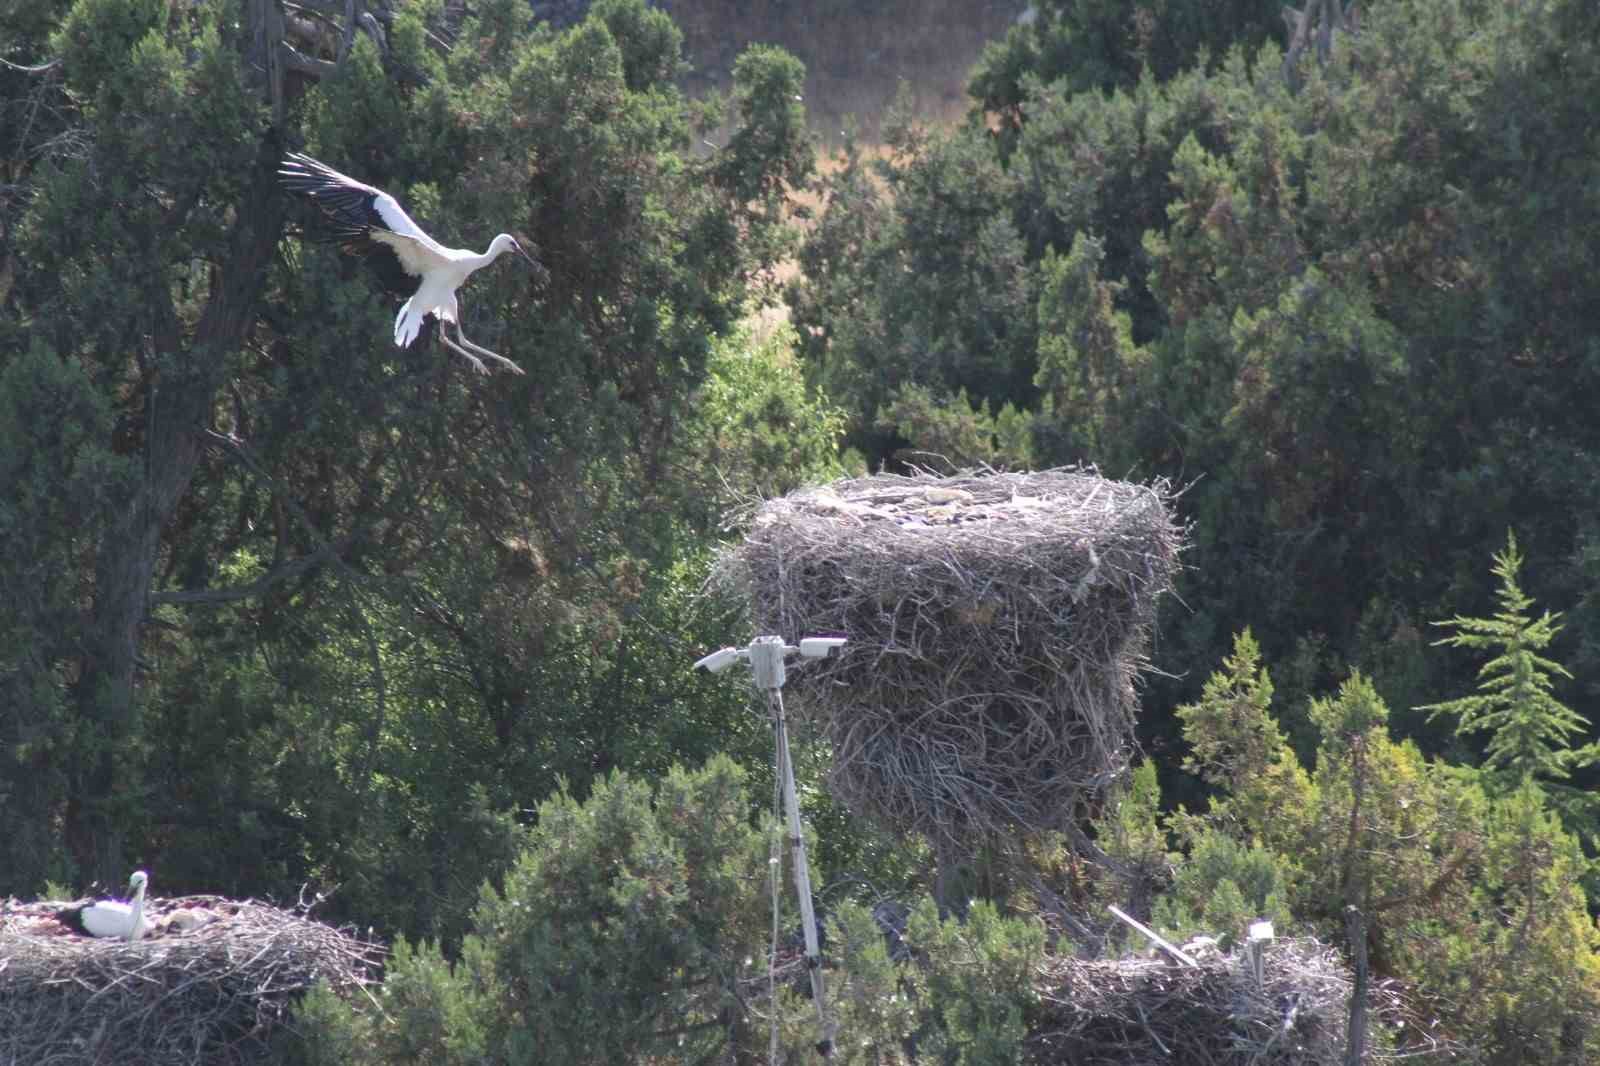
371 223
109 918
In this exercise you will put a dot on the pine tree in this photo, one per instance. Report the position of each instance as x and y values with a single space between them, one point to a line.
1531 728
1239 749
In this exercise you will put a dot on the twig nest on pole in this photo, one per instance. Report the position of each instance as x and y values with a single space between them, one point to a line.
996 625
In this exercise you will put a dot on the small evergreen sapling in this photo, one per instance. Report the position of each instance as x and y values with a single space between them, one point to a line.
1531 729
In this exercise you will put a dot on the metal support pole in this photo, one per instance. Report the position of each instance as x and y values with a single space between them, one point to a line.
802 870
766 655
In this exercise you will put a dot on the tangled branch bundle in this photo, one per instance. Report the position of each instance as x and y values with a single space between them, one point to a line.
1153 1010
213 994
996 623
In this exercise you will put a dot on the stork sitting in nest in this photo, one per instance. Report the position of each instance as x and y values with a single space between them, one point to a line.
112 918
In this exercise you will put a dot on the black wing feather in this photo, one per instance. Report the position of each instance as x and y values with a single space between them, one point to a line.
348 217
347 204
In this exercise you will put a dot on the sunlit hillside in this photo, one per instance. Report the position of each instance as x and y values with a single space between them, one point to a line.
855 54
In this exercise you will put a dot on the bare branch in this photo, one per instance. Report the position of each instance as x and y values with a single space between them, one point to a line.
369 23
296 60
1156 938
38 68
235 593
320 7
349 38
327 550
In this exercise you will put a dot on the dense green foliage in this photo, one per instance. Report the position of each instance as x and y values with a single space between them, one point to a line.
376 602
1349 315
1470 888
633 928
623 929
281 604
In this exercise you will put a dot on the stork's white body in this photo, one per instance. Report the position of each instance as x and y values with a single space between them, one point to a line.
450 268
368 221
109 918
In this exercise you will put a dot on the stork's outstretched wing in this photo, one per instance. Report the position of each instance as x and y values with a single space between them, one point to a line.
366 222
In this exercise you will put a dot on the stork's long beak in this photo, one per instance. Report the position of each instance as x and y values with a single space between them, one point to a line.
538 267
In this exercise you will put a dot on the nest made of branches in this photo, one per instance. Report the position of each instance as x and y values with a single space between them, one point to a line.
1118 1012
214 994
996 622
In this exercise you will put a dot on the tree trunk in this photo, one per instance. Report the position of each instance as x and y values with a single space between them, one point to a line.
177 413
1356 1041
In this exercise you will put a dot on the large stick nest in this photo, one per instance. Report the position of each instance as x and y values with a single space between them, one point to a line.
1116 1012
215 994
996 626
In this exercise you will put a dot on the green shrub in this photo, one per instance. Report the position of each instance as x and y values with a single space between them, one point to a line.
974 984
624 931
